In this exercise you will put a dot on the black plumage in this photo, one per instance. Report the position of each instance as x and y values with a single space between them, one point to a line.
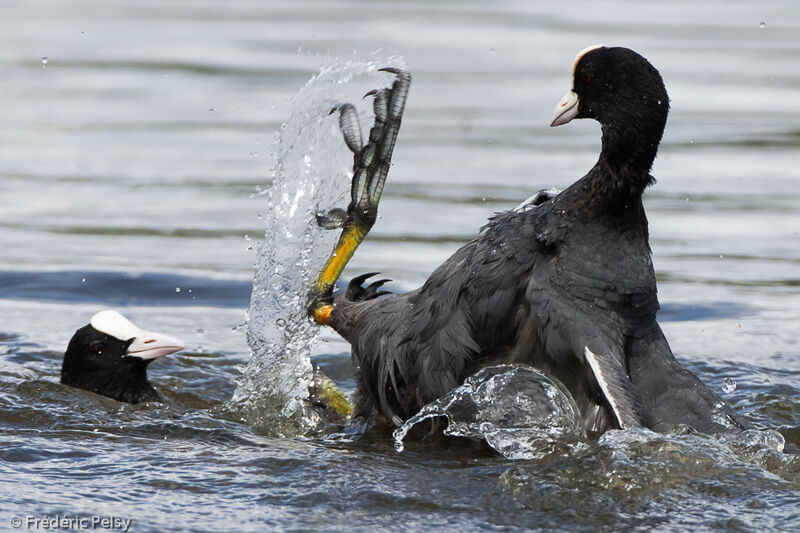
564 283
110 356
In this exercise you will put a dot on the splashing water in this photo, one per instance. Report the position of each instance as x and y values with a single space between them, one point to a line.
518 411
728 385
310 176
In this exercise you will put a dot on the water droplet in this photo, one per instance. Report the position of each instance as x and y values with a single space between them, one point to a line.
44 61
281 323
247 238
177 289
210 110
83 280
691 141
762 24
728 385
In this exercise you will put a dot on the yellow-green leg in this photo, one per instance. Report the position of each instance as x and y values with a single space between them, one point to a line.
370 168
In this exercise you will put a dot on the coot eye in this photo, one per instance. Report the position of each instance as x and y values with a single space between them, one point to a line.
97 348
587 77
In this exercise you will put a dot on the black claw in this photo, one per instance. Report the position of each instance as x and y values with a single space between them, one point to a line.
370 93
377 284
356 292
393 70
360 279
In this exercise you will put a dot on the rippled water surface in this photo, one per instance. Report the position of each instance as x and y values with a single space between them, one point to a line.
131 163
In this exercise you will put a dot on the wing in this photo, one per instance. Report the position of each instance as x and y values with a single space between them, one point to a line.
414 348
673 394
583 303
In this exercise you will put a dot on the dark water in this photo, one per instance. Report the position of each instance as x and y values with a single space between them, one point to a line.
127 167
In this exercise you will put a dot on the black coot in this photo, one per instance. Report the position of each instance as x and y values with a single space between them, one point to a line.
110 356
564 283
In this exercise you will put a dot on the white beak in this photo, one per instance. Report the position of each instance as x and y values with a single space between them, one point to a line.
566 109
151 345
145 345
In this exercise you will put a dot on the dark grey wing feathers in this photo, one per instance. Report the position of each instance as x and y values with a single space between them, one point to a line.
414 348
674 394
621 395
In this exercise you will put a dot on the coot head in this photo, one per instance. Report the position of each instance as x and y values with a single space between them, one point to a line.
615 86
110 356
622 91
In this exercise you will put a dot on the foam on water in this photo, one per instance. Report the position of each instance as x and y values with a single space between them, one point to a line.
310 175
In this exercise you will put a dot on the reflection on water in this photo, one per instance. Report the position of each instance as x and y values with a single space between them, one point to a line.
114 169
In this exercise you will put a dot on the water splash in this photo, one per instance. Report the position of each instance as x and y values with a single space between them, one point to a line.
728 385
310 175
684 469
518 411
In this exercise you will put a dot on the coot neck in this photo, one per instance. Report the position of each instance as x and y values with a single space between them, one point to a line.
623 170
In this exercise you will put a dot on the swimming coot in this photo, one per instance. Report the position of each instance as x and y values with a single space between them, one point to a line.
565 282
110 355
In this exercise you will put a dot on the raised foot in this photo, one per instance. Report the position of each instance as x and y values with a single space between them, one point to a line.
371 163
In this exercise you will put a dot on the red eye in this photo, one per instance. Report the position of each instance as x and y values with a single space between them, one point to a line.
587 77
